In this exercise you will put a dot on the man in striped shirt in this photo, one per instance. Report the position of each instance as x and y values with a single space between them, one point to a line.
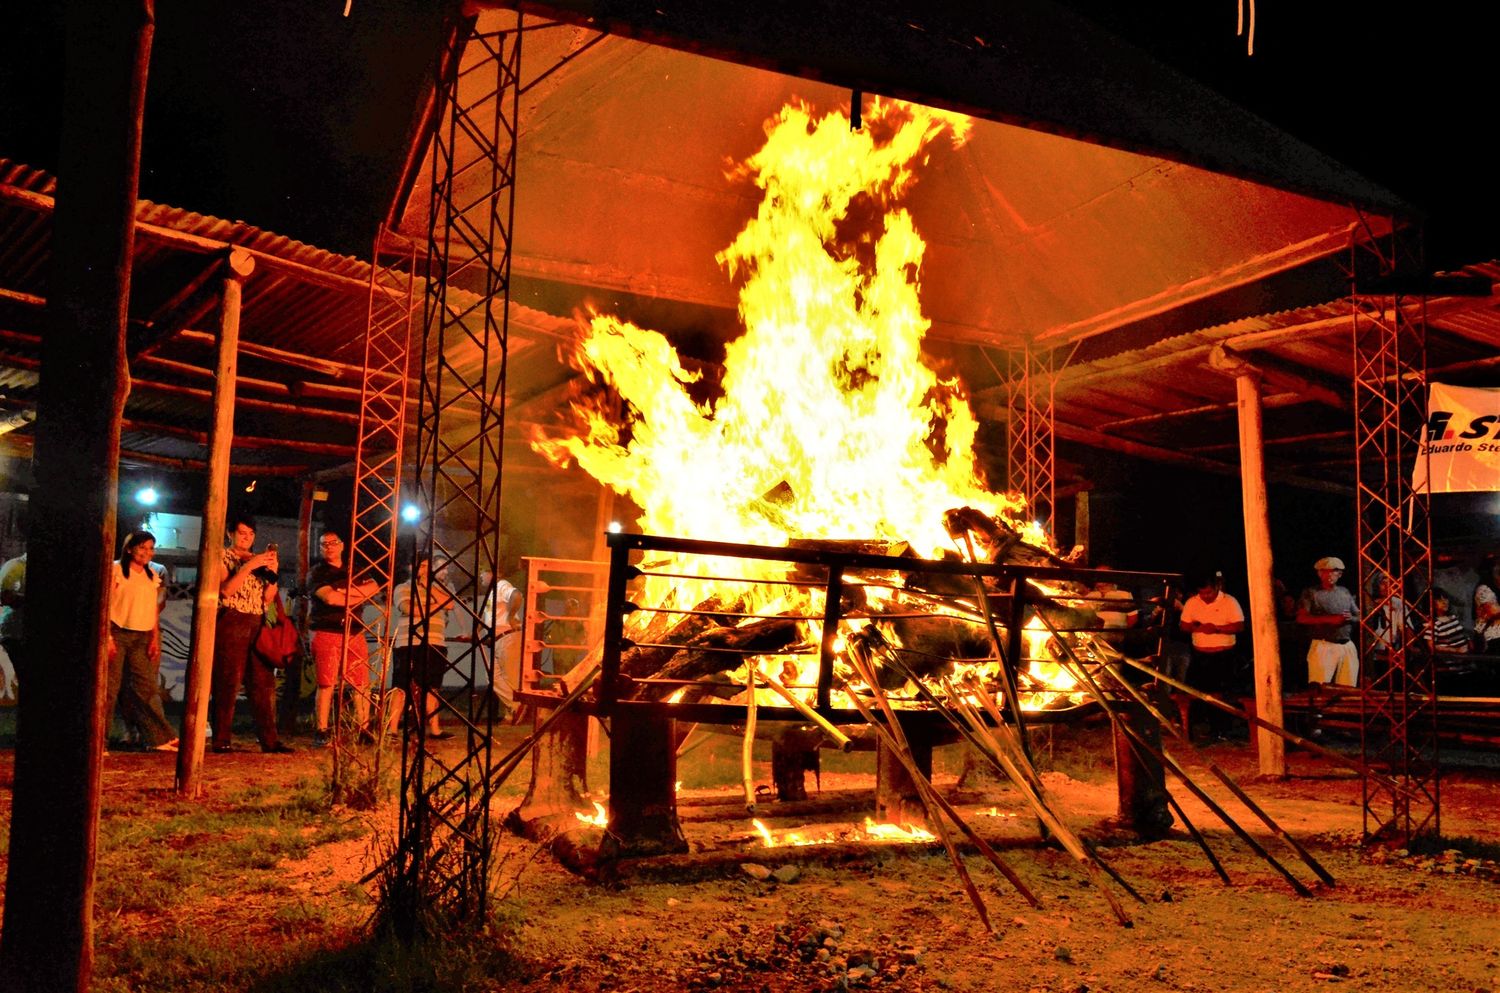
1445 632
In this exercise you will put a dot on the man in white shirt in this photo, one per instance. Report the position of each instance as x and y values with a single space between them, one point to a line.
1215 620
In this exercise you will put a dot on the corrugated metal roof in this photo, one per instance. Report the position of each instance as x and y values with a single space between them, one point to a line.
300 299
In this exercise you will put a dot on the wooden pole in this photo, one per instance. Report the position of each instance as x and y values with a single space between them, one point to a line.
1270 748
1081 521
291 688
46 945
211 545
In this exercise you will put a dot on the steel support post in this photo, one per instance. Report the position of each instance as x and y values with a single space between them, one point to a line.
444 844
1031 464
371 540
1399 709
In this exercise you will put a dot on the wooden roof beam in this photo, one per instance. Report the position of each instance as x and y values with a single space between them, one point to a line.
1172 416
198 298
1282 374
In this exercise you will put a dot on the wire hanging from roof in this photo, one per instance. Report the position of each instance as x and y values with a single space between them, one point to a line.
1241 30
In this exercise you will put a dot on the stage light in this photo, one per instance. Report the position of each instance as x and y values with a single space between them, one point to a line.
147 496
411 513
614 527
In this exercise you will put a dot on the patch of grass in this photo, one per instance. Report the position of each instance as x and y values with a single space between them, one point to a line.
452 963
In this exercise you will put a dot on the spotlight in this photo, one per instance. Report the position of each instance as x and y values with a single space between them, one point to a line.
614 527
147 496
411 513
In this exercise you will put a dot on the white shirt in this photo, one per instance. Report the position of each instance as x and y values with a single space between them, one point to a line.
134 603
1225 610
1485 594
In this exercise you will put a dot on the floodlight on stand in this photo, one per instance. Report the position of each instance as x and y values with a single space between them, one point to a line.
615 527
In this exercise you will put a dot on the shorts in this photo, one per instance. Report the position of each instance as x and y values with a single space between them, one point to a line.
325 653
1334 662
425 663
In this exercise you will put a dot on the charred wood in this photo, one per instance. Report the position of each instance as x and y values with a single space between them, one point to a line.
720 649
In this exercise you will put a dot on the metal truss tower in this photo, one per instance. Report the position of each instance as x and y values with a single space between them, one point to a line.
371 539
1399 710
1031 466
442 865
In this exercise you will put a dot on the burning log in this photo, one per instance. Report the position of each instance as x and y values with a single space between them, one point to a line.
1000 542
665 637
720 649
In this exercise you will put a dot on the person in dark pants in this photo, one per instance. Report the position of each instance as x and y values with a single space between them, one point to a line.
1215 621
135 601
247 583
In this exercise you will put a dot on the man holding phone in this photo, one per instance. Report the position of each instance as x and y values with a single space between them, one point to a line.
247 582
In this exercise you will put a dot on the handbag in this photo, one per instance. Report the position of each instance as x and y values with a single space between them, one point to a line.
277 643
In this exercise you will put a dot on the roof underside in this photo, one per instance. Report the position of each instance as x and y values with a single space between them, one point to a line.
624 197
622 188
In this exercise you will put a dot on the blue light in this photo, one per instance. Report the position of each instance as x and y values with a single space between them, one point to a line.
146 496
411 513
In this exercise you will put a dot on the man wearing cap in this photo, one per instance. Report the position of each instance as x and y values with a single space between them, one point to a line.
1329 611
1215 621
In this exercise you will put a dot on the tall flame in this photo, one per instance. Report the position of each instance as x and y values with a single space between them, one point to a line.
827 422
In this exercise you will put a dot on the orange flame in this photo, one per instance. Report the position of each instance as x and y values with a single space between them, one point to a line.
827 420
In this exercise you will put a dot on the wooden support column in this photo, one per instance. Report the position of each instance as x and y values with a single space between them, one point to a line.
898 800
1081 522
47 944
1140 780
1270 748
643 786
238 265
291 687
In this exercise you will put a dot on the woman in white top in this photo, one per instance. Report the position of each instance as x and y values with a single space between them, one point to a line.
135 600
420 651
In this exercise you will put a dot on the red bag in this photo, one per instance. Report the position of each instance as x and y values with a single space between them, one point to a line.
276 644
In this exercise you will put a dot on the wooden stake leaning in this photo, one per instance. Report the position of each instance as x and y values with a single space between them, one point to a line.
896 740
930 800
1343 761
1011 761
1208 853
1229 783
1033 795
747 747
840 738
1144 748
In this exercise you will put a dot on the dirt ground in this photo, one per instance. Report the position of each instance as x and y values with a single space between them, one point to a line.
896 917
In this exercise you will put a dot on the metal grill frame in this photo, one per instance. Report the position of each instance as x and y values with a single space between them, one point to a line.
1010 604
1398 701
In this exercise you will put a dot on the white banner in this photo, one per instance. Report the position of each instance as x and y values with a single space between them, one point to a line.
1461 442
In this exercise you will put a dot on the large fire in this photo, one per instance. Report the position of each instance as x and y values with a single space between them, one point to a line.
827 420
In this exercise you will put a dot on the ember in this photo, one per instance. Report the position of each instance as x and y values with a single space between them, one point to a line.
599 818
870 831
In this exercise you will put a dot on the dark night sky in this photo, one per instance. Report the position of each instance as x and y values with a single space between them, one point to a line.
290 116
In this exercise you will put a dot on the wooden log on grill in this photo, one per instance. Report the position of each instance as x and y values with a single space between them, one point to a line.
669 631
720 649
999 541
